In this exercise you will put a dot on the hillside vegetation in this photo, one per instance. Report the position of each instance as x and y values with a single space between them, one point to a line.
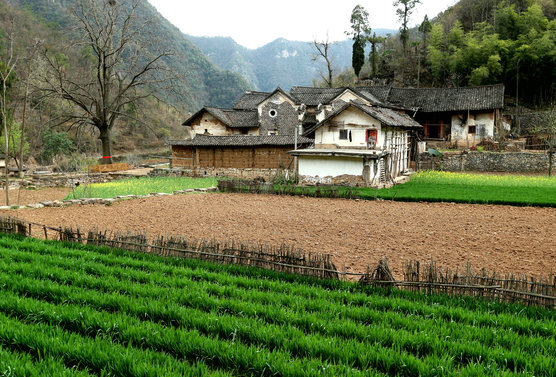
201 81
39 30
475 42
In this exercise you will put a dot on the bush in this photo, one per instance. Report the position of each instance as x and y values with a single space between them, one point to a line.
55 144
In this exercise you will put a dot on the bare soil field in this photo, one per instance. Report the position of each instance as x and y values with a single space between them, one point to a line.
24 196
355 233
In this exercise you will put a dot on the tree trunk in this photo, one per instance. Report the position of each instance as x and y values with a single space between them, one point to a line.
106 139
550 160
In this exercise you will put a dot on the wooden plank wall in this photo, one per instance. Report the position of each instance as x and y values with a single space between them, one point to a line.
266 157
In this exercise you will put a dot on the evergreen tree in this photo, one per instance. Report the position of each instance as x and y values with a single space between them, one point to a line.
359 32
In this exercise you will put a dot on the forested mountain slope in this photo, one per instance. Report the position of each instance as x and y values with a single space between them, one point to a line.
282 62
201 81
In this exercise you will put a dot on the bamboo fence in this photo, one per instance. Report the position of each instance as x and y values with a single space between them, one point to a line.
418 277
282 258
430 278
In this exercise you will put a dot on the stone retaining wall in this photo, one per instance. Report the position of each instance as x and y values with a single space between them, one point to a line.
242 173
509 162
65 180
102 201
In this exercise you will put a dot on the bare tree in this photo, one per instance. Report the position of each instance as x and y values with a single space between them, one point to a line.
322 48
404 12
115 44
545 127
27 77
7 75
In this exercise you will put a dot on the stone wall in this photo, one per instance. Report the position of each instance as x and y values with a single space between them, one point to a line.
267 175
509 162
65 179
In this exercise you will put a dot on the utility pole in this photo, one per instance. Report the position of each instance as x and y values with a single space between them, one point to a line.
517 122
295 156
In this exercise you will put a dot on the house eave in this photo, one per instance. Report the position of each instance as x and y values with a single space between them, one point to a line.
354 153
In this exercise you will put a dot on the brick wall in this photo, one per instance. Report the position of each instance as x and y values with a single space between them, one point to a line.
266 157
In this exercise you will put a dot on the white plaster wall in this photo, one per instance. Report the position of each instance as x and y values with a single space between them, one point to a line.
461 133
323 166
212 125
348 96
354 120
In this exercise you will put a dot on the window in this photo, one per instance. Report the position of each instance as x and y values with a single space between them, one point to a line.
273 113
472 130
272 133
343 134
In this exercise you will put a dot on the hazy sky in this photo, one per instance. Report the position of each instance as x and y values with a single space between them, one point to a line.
253 23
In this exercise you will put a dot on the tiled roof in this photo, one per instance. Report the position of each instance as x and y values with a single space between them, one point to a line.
250 100
314 96
243 118
430 100
241 141
230 117
386 116
379 92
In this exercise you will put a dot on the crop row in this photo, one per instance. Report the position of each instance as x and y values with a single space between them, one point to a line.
208 297
467 351
341 304
98 355
233 355
17 364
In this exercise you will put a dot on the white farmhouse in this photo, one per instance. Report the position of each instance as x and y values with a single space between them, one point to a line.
360 143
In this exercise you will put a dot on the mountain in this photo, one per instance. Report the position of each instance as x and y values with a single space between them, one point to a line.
201 81
282 63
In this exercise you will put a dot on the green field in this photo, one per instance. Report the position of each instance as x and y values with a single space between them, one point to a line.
139 186
77 310
435 186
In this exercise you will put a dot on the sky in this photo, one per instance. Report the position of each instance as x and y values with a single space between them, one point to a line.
254 23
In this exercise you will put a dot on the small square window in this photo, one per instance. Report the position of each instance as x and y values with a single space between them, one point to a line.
343 134
472 129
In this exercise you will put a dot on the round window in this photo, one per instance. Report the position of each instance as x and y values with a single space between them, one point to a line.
273 113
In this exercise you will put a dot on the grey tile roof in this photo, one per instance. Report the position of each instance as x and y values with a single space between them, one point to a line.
230 117
241 141
430 100
379 92
314 96
243 118
250 100
386 116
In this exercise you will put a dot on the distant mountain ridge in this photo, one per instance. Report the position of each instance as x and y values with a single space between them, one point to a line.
282 62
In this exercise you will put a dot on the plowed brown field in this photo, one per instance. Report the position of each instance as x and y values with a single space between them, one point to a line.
355 233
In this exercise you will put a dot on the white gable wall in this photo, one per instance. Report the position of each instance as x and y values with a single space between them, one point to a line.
348 96
353 120
211 125
277 98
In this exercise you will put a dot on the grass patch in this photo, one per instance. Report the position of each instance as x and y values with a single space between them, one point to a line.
435 186
139 186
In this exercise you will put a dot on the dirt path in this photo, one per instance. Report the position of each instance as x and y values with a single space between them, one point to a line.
356 233
24 196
